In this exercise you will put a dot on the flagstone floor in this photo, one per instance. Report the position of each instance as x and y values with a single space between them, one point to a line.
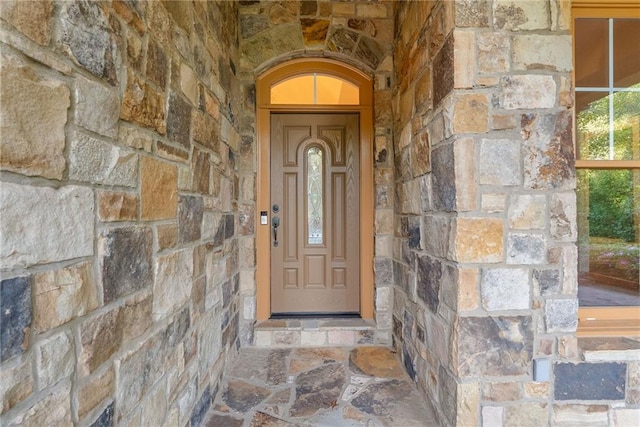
320 386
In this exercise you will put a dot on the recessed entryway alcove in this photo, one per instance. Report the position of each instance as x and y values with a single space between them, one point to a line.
316 89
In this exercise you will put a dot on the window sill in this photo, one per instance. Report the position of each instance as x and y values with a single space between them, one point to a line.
611 349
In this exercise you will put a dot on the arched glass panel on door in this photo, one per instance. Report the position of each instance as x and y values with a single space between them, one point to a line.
315 196
314 89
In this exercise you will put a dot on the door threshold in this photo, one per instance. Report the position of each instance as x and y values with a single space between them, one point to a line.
346 315
318 332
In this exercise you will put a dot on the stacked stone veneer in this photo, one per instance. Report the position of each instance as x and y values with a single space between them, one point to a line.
359 33
484 254
120 210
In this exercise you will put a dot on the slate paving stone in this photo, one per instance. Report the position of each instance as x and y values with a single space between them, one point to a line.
267 366
261 419
395 402
328 386
241 396
375 362
318 389
217 420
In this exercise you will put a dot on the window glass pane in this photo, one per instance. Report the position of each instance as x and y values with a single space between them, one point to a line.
315 89
298 90
626 52
592 117
626 125
608 237
336 91
592 52
315 194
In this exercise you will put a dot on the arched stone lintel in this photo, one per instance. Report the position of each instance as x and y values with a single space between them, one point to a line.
341 59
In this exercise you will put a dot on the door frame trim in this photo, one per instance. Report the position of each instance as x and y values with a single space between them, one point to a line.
264 82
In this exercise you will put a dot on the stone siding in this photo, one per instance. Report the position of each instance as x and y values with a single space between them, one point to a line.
484 267
120 261
127 204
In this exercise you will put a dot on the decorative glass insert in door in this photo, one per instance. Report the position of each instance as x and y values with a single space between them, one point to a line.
315 205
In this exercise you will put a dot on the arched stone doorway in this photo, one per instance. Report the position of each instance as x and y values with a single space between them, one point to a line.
362 108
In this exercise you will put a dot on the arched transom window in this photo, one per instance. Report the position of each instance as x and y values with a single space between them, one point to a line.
315 88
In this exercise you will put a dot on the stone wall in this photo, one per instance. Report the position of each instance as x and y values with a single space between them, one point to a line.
120 210
359 33
485 259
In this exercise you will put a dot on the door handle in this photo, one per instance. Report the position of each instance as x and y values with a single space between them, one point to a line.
275 223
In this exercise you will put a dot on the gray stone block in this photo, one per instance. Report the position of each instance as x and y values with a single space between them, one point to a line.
589 381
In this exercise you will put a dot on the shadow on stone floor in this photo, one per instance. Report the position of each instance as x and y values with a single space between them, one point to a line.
330 387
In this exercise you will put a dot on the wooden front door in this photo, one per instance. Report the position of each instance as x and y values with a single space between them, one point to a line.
315 192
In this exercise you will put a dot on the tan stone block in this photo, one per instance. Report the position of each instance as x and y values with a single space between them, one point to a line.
537 389
32 18
468 294
143 105
424 92
504 121
41 225
565 92
623 417
528 92
478 240
465 173
383 222
344 8
580 415
371 10
526 414
129 15
520 15
134 138
159 198
100 339
568 346
471 114
548 52
468 404
501 391
55 359
407 102
28 146
561 14
527 212
62 295
313 338
211 106
95 389
115 206
493 52
170 152
167 236
487 81
172 287
341 338
154 406
492 202
16 384
465 59
134 318
189 83
52 409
